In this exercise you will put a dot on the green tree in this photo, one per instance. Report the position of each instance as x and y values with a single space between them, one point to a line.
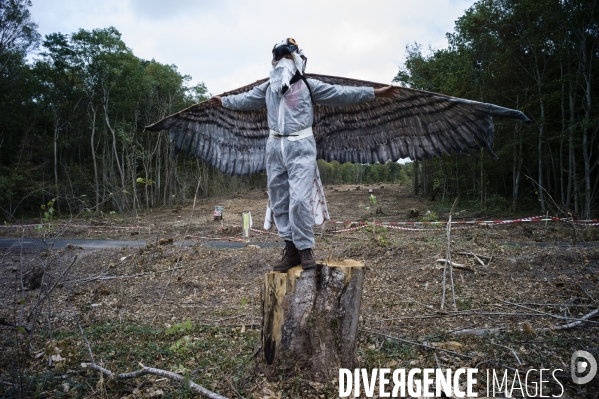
537 56
18 33
18 110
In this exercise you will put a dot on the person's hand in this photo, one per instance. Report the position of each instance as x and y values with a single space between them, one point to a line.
216 101
387 92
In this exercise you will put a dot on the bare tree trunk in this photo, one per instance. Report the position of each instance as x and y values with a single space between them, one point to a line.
310 321
93 148
482 182
56 130
517 166
116 154
561 137
540 148
457 178
424 178
146 188
586 153
416 173
570 188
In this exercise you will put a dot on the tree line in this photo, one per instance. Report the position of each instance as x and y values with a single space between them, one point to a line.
348 173
536 56
71 123
72 116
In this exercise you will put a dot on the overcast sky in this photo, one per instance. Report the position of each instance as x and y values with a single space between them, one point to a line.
227 44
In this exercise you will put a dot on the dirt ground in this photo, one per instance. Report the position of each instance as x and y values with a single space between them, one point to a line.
195 309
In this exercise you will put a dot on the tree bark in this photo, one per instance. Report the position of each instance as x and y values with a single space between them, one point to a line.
416 172
310 321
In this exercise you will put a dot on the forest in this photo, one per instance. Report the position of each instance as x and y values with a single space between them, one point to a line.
536 56
132 286
73 106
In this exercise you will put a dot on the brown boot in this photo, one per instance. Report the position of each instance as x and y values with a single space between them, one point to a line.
291 257
307 259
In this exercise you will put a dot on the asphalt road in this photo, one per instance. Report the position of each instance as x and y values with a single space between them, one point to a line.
29 244
16 243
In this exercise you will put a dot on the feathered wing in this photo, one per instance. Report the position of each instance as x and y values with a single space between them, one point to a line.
232 141
416 124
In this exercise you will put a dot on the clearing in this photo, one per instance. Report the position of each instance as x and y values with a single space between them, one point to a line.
195 309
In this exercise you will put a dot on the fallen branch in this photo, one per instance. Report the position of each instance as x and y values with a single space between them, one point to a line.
477 257
458 314
159 372
104 277
551 314
496 330
587 293
479 331
511 350
415 343
456 265
575 323
561 305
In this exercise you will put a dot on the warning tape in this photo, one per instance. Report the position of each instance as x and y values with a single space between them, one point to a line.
593 222
263 232
417 226
393 226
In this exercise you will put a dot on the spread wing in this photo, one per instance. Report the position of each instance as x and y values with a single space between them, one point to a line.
232 141
416 124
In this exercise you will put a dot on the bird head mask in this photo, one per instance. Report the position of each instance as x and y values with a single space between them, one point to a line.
285 67
289 47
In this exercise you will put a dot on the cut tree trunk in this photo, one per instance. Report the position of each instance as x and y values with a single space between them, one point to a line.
310 321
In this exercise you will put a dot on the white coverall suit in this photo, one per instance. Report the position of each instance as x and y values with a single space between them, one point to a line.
291 148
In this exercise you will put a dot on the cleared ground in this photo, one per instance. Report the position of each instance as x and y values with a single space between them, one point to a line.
133 304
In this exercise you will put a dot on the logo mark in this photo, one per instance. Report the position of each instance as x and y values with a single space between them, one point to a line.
579 367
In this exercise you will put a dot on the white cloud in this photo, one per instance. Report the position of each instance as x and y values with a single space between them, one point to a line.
227 44
158 10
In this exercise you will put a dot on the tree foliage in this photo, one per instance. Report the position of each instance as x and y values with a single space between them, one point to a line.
348 173
18 33
71 124
71 120
537 56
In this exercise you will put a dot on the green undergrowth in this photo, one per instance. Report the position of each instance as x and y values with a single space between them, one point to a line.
218 358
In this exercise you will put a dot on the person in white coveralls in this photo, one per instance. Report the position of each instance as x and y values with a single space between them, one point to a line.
291 149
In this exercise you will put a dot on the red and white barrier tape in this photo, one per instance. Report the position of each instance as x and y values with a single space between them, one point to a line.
474 222
355 225
263 232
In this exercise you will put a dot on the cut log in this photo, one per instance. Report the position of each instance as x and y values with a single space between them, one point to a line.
310 321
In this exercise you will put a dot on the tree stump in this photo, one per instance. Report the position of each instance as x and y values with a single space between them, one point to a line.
310 321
